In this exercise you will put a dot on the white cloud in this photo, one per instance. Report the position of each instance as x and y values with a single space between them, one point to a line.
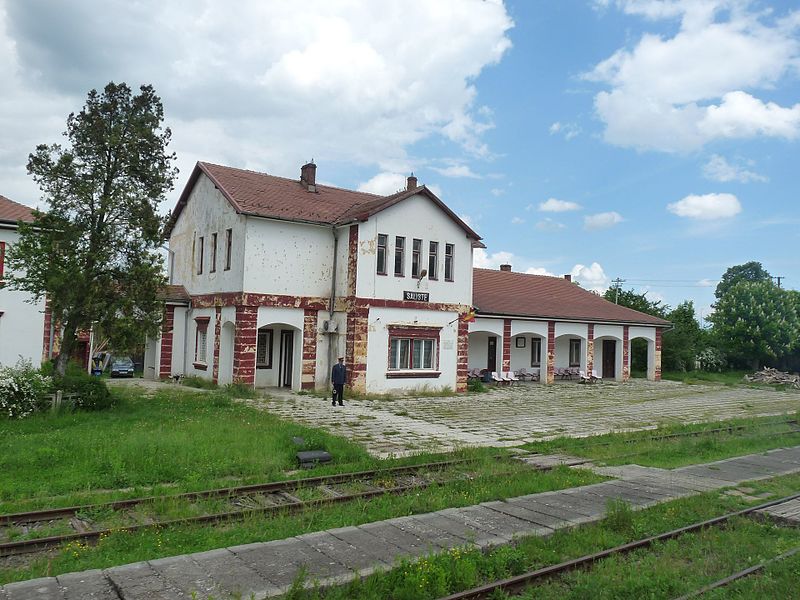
517 220
591 278
602 220
569 130
497 192
483 260
707 283
457 171
384 184
554 205
549 224
706 207
679 93
260 85
719 169
539 271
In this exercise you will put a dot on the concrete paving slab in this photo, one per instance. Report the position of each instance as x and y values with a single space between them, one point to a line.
382 551
351 557
186 575
453 524
552 518
46 588
232 575
436 538
138 581
560 511
86 585
491 521
410 543
537 520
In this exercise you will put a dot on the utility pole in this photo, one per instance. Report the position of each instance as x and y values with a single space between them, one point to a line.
778 279
617 284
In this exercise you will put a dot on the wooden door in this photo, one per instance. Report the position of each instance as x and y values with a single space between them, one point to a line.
492 362
286 354
609 359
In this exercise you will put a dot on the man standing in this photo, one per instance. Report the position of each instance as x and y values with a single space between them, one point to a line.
338 378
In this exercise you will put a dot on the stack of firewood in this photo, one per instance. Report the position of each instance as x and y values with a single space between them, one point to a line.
773 376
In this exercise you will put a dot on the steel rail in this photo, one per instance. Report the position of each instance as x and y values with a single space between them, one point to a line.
740 575
273 486
520 582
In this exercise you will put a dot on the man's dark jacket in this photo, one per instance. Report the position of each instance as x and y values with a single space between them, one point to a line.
339 376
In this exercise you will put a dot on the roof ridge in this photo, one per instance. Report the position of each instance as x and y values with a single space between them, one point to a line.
559 277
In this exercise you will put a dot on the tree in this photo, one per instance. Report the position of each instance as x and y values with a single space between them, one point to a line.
749 271
93 253
681 344
756 322
639 302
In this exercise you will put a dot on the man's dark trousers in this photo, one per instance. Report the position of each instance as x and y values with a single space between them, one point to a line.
338 394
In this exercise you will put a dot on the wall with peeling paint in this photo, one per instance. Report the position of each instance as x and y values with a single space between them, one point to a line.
207 211
288 258
415 217
378 348
191 338
277 319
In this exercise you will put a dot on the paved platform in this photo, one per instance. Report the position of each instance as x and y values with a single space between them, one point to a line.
336 556
787 513
525 412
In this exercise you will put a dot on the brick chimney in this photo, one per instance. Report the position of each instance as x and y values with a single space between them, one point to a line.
505 268
308 176
411 182
568 277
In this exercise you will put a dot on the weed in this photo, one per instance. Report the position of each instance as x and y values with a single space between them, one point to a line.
619 516
198 382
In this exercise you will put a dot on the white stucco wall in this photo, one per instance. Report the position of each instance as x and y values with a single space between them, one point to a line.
190 343
22 324
648 333
287 258
608 331
206 212
416 217
492 326
278 319
518 327
378 348
521 357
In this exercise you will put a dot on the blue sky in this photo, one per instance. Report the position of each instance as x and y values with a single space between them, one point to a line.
649 140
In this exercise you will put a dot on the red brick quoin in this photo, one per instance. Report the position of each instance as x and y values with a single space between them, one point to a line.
506 344
165 370
244 345
590 349
308 373
657 357
551 351
626 357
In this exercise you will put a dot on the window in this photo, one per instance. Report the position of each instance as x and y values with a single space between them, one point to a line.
449 250
200 256
536 352
433 261
213 253
416 257
412 353
201 341
264 349
399 256
2 260
574 353
228 243
383 240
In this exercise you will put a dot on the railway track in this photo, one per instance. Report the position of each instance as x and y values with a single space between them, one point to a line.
238 503
520 583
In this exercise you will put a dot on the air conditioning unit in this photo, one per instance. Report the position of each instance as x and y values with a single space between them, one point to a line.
330 326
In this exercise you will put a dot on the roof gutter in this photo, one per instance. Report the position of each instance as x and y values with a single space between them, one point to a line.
479 314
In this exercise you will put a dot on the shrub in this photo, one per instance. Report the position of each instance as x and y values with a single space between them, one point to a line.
91 392
198 382
22 390
475 385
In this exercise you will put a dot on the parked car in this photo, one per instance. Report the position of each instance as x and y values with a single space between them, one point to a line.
122 367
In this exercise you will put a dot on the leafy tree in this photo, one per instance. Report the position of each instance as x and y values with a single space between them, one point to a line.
756 322
749 271
681 344
93 253
638 302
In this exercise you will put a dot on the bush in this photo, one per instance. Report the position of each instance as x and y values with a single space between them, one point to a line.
475 385
91 392
22 390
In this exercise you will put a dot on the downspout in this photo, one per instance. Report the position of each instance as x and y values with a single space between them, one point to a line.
331 302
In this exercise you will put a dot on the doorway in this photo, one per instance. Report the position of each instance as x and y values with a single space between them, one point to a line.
609 359
285 367
492 362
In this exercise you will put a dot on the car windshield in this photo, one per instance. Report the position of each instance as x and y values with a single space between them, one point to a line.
123 362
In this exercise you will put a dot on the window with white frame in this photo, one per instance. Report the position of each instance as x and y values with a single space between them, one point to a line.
575 352
399 256
383 241
411 353
201 341
536 352
416 257
433 261
264 349
449 253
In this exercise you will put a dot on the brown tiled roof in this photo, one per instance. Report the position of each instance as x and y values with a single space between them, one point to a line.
174 293
519 294
263 195
11 212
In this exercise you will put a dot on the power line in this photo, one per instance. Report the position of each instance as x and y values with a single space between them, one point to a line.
618 283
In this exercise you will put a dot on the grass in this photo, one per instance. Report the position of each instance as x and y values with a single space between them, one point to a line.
424 391
634 447
176 440
485 480
667 570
